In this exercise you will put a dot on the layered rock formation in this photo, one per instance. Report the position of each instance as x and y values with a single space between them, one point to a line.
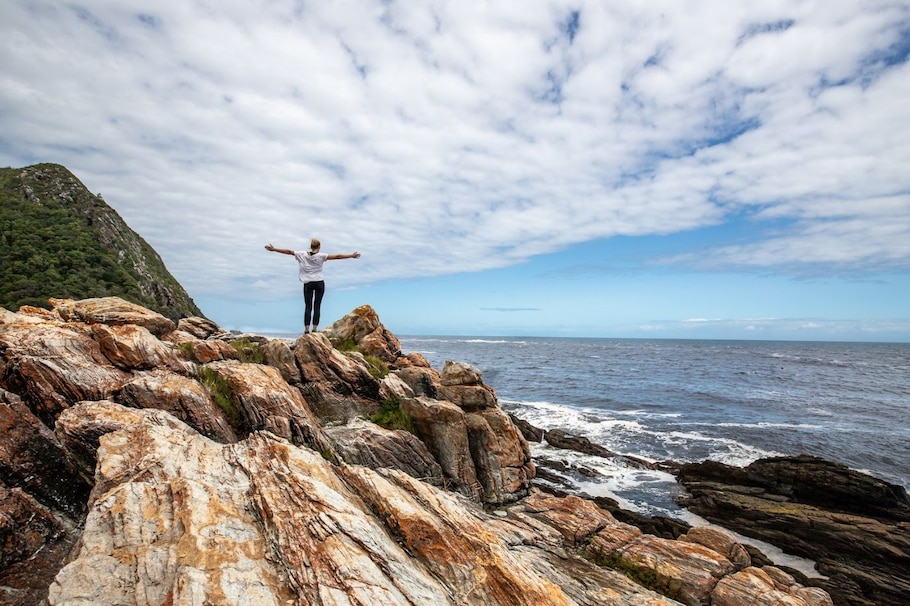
144 462
856 527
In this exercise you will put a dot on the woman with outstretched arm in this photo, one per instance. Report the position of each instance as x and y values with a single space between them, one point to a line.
310 271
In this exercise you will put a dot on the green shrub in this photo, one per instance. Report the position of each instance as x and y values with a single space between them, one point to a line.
222 395
249 351
378 369
186 351
392 416
348 345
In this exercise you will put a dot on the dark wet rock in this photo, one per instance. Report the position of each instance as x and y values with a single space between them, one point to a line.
855 527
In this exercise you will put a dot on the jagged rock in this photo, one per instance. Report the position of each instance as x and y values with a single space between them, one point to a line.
338 387
213 351
201 328
530 433
502 458
721 541
363 328
32 459
792 502
443 428
183 397
34 542
363 443
131 347
80 431
25 525
558 438
394 387
757 587
423 381
50 366
687 572
178 518
113 311
263 522
413 359
462 384
460 373
264 401
278 354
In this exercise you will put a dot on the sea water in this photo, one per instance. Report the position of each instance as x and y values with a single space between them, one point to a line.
689 400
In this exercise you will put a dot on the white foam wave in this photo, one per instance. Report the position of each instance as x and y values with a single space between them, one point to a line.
647 414
767 424
581 421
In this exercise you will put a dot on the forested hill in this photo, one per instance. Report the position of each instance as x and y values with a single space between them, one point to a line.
59 240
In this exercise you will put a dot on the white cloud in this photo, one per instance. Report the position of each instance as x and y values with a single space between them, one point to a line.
459 136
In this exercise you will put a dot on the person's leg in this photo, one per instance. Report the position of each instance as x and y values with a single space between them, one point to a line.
308 290
318 292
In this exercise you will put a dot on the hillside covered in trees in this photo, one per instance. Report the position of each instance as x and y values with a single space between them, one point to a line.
59 240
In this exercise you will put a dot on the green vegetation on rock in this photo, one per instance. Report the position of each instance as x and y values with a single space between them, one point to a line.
393 416
248 351
222 395
58 240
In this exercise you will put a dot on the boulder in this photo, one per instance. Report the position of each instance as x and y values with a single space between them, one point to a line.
201 328
502 457
364 443
204 352
685 571
184 397
363 328
278 354
338 387
113 311
52 365
462 384
423 381
757 587
443 428
132 347
722 541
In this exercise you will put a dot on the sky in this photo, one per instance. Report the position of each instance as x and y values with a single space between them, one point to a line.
661 169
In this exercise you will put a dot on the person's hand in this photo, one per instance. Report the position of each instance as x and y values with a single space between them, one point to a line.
269 247
356 255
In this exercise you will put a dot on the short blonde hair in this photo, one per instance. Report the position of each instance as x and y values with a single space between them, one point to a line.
314 244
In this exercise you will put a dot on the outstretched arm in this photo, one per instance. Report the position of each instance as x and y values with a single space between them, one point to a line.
353 255
284 251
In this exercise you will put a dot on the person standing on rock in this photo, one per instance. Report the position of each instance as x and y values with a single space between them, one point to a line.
311 262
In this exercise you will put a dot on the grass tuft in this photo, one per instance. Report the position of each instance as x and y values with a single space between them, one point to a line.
249 351
222 395
392 416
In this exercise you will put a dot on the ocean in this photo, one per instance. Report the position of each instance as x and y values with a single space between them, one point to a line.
692 400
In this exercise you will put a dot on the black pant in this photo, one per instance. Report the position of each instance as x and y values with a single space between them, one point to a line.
312 298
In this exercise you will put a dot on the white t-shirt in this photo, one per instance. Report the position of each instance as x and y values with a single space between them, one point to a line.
310 265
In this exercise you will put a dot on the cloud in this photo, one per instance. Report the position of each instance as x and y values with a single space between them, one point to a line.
459 136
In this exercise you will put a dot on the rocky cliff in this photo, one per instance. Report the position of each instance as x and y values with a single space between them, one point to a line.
59 239
154 463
